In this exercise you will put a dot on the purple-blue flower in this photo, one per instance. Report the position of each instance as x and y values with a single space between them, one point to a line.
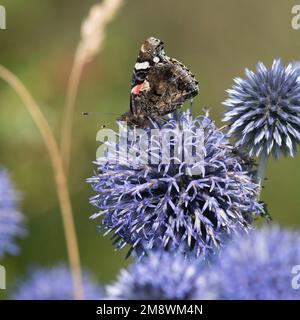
296 65
264 110
162 206
159 276
11 220
258 266
54 284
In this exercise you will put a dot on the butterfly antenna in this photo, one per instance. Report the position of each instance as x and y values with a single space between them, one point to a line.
86 113
103 126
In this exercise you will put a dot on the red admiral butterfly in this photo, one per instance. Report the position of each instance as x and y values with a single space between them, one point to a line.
160 85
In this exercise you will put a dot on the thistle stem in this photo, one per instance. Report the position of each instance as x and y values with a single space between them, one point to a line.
260 175
191 107
59 175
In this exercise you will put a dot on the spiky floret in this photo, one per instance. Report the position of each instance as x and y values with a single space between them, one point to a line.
164 206
54 283
159 276
11 219
259 266
264 110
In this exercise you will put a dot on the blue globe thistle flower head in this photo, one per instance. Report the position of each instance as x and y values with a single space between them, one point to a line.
264 110
54 284
258 266
159 276
11 220
162 205
296 65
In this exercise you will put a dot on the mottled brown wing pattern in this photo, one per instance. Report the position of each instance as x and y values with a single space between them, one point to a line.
160 85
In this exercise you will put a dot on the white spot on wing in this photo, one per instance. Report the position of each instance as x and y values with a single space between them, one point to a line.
142 65
156 59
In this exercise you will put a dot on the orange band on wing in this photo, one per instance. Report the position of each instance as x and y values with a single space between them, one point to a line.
137 88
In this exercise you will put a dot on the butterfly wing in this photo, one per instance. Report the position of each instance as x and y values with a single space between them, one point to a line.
160 85
185 86
151 53
140 72
164 90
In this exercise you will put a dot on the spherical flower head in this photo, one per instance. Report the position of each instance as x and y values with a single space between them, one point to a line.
11 220
264 110
184 206
159 276
258 266
54 284
296 65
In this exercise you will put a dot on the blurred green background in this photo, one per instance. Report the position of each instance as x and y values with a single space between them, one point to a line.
216 39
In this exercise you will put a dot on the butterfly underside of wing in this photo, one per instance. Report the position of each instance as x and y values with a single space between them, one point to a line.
160 85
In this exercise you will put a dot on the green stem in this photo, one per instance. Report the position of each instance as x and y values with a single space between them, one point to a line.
191 107
260 175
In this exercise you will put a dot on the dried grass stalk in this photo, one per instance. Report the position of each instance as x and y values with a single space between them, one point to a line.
59 174
91 43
